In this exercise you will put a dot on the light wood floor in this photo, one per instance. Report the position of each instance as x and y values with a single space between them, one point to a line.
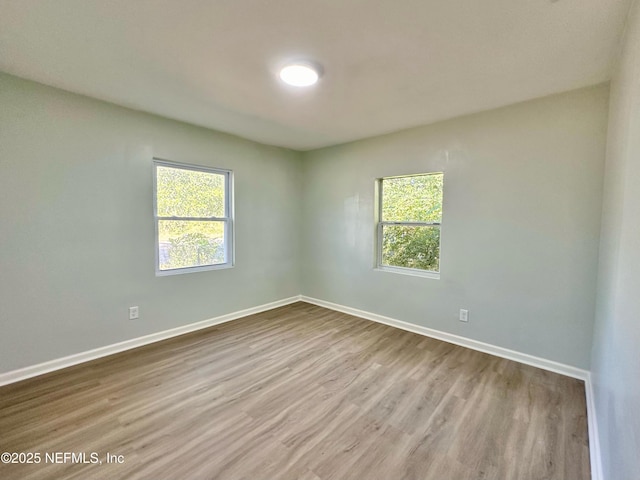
302 393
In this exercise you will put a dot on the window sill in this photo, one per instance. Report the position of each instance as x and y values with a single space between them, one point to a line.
204 268
409 271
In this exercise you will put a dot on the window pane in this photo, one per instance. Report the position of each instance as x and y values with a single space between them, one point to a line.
188 193
411 247
412 199
184 243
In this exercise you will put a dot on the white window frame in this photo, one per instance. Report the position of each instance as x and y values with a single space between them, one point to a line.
227 219
418 272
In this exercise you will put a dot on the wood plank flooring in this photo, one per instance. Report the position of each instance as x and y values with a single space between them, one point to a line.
300 393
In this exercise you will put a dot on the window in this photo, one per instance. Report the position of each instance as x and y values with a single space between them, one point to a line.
409 218
192 208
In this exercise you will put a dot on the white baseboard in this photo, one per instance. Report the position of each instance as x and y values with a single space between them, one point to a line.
59 363
594 439
525 358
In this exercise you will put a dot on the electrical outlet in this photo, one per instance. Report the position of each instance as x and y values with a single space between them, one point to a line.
133 313
464 315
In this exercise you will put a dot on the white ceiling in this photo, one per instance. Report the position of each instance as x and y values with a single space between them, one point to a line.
388 64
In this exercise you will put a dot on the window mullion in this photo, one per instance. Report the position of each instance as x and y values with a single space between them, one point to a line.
195 219
414 224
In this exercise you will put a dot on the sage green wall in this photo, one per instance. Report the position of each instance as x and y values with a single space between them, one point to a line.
616 340
77 232
521 224
520 234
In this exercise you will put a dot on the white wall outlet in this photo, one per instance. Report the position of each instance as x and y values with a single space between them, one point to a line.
464 315
133 313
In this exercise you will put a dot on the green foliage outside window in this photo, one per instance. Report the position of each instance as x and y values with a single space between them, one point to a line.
415 198
196 194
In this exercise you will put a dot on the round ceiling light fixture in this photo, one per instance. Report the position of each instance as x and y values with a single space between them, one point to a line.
300 74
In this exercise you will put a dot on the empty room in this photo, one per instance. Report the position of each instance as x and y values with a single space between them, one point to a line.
320 240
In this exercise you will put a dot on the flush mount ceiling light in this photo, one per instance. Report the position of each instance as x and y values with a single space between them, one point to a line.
300 74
